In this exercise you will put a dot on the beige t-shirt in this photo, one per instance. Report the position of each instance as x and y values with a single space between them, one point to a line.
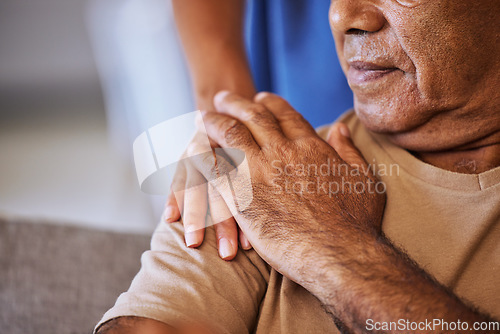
449 223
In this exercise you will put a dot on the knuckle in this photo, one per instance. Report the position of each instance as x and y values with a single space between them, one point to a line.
255 112
259 115
264 96
210 170
293 116
223 166
231 130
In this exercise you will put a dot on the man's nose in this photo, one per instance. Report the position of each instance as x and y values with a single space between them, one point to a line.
355 16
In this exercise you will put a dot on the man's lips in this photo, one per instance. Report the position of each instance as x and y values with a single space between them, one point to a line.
361 72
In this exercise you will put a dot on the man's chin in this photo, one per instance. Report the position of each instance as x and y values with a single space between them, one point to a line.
410 133
386 120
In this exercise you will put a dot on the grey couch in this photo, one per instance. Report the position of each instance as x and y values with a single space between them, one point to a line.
61 279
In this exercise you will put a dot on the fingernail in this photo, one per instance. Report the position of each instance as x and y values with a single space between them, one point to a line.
191 239
225 248
245 244
168 214
344 131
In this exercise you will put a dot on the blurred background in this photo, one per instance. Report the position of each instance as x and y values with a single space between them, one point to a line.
79 81
69 110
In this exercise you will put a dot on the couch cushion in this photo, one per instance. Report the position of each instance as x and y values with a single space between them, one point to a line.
61 279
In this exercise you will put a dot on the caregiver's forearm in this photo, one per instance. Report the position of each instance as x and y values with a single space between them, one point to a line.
212 35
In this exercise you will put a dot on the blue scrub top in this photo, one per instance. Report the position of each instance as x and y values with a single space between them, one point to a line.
292 53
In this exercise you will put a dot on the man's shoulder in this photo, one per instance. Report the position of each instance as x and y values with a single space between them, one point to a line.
179 283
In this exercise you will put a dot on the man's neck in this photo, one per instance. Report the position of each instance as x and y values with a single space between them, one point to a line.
474 158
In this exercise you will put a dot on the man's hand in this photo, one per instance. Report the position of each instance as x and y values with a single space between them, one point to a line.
303 192
320 226
192 194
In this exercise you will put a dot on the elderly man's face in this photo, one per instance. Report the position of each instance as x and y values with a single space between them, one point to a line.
427 72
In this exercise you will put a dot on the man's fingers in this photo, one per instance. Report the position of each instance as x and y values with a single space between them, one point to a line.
339 138
261 122
292 123
229 132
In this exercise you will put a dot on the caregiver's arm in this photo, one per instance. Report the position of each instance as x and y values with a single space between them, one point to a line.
212 35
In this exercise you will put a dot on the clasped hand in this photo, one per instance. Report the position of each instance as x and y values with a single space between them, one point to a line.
305 192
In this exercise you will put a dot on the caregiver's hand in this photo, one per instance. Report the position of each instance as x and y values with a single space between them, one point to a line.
216 55
301 208
193 195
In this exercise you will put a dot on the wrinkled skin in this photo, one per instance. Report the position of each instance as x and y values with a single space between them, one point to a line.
444 92
289 211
